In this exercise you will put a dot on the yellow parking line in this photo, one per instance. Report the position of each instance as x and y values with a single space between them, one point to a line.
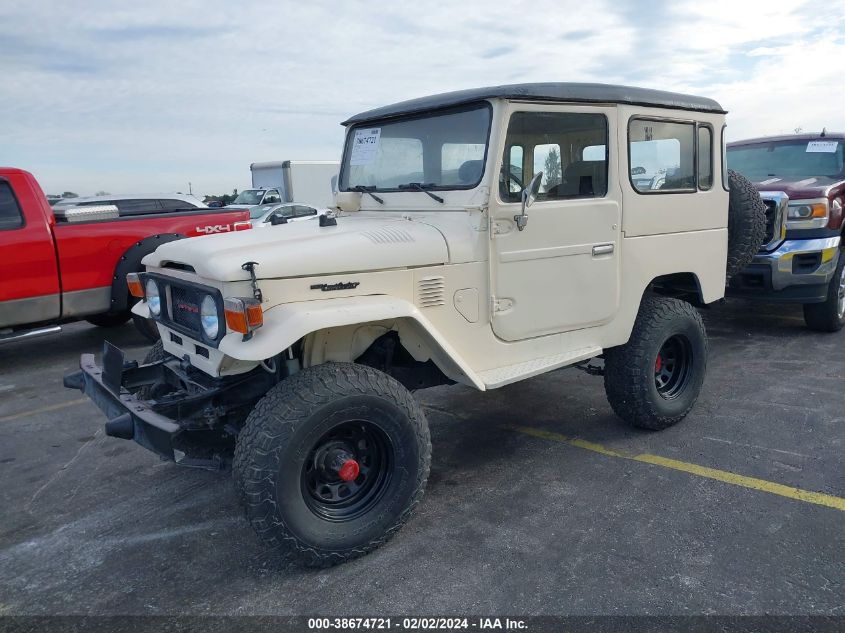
724 476
52 407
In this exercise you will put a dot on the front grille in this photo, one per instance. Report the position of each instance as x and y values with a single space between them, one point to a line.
185 307
771 220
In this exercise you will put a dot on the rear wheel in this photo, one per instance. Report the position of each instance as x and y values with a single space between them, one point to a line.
109 319
331 462
829 316
654 379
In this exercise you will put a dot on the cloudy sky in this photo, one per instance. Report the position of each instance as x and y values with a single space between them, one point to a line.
148 96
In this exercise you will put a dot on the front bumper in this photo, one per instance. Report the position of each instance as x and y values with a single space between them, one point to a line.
129 418
799 271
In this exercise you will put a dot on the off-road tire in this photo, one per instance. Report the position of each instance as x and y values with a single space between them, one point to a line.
273 449
109 319
630 378
825 317
154 354
746 222
146 327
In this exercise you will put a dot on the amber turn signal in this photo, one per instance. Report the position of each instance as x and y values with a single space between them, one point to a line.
136 288
243 314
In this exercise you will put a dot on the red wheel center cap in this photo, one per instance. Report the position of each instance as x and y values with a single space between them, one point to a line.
658 364
349 470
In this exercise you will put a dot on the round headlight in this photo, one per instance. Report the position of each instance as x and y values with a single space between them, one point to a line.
209 318
153 298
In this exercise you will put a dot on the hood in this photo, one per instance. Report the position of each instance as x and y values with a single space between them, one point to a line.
816 187
301 249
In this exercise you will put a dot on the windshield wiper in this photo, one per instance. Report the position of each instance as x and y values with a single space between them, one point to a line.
424 187
367 190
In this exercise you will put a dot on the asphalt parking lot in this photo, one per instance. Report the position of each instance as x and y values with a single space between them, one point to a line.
540 500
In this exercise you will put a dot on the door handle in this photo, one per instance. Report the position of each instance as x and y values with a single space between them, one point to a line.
602 249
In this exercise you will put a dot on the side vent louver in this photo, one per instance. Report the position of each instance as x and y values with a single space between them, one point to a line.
430 292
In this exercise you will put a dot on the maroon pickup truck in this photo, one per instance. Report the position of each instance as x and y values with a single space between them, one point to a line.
57 267
801 178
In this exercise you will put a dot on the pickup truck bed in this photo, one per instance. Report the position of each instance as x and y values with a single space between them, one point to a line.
52 270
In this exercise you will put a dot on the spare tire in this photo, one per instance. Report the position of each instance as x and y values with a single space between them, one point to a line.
746 222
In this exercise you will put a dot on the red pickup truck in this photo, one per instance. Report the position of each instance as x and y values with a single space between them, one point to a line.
56 268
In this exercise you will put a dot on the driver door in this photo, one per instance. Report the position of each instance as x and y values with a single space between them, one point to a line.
561 272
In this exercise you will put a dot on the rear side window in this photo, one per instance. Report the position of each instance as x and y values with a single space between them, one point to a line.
302 211
136 207
661 156
10 212
175 205
705 157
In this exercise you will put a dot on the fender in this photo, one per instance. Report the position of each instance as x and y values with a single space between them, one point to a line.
284 325
130 262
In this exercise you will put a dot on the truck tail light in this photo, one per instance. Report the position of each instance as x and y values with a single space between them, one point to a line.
136 288
243 314
243 226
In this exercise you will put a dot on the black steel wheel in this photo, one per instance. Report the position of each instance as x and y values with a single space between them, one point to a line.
672 366
347 471
654 379
331 462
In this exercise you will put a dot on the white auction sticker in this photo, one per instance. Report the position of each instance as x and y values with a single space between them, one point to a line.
365 146
828 147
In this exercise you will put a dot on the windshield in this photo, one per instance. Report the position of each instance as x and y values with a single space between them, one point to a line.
445 150
791 160
249 196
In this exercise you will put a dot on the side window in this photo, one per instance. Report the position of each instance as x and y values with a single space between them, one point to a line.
705 157
547 159
510 180
136 207
10 213
302 211
175 205
272 197
661 155
556 143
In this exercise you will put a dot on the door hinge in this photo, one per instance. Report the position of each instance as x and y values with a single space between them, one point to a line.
501 305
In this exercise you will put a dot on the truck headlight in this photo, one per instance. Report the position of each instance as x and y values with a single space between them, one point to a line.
153 297
209 318
801 214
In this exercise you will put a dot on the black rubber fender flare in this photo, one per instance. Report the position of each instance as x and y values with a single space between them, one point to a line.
130 262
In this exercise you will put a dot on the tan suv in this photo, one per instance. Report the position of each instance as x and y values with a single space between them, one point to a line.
481 237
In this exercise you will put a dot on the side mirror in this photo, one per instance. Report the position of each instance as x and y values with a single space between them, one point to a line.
529 195
278 219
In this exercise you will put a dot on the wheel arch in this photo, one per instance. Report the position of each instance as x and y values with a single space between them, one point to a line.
130 262
340 330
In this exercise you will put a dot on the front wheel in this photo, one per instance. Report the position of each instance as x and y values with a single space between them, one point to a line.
829 316
653 380
331 462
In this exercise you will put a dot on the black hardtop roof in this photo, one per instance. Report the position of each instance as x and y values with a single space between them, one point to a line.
566 92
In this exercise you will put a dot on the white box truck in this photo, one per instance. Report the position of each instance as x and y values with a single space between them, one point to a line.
307 181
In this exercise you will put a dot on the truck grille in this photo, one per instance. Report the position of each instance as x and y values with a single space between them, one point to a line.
775 203
181 307
185 308
771 220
